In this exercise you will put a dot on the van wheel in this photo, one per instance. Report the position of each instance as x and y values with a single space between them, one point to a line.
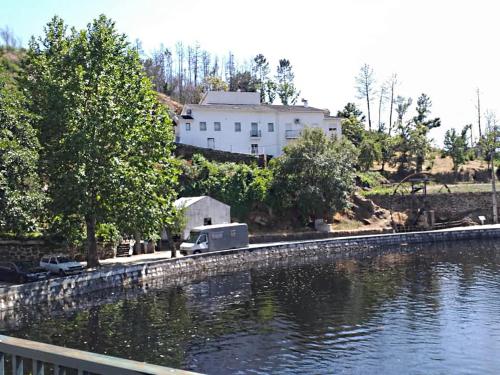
197 252
62 273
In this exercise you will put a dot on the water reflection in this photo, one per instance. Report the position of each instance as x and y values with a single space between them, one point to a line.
424 310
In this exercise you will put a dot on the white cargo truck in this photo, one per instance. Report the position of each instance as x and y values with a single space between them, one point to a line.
215 237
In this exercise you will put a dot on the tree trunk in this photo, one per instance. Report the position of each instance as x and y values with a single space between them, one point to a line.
369 114
390 111
137 246
380 112
92 257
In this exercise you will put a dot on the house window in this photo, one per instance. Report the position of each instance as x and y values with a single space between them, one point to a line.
211 142
270 127
255 149
237 126
254 130
207 221
203 126
188 126
217 126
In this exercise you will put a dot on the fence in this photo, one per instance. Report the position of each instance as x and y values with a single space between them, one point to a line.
45 358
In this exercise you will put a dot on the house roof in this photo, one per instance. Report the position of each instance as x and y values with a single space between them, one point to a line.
259 108
188 201
231 97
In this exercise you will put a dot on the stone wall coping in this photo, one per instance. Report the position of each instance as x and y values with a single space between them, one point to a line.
5 241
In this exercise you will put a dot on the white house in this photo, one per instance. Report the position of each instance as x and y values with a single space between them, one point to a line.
200 211
239 122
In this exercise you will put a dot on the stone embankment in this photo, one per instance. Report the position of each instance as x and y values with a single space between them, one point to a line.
447 207
54 290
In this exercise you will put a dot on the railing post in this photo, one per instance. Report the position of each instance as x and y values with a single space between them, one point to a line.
17 365
38 368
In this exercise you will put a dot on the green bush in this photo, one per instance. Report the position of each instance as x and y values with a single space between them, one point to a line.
108 233
239 185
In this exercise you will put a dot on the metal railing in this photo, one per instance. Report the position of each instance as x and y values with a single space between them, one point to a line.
45 358
292 134
255 133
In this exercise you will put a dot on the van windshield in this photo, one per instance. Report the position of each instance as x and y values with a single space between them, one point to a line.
193 236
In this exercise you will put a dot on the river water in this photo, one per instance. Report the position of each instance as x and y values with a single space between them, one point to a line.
431 311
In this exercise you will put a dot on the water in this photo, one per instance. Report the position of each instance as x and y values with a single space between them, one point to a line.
435 311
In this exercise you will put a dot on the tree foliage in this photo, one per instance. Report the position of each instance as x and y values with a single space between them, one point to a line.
370 151
238 185
352 123
21 196
106 140
455 146
285 88
315 174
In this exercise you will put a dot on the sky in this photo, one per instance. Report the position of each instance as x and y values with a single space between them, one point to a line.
446 49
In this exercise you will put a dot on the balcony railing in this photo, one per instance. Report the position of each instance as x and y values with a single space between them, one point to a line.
255 133
292 134
45 358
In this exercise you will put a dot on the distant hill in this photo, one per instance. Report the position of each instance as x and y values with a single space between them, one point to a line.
10 62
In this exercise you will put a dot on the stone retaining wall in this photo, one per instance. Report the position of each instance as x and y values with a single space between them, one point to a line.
58 289
34 250
24 249
454 206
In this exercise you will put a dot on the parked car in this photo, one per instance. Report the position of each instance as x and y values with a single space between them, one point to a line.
60 265
21 272
215 237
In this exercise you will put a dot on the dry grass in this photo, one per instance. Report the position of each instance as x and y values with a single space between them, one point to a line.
441 165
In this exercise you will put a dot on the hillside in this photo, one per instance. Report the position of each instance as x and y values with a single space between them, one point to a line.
10 62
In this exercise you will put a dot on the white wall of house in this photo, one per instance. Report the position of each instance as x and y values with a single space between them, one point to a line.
265 129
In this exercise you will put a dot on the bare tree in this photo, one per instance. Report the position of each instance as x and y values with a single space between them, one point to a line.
382 100
8 38
169 73
230 70
179 48
196 62
478 107
393 81
205 62
365 82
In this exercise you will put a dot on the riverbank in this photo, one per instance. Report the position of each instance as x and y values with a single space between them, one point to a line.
132 273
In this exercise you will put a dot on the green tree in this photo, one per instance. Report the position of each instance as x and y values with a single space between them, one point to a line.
422 124
352 123
106 139
243 81
271 89
455 146
370 152
261 72
315 174
285 87
215 83
21 196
